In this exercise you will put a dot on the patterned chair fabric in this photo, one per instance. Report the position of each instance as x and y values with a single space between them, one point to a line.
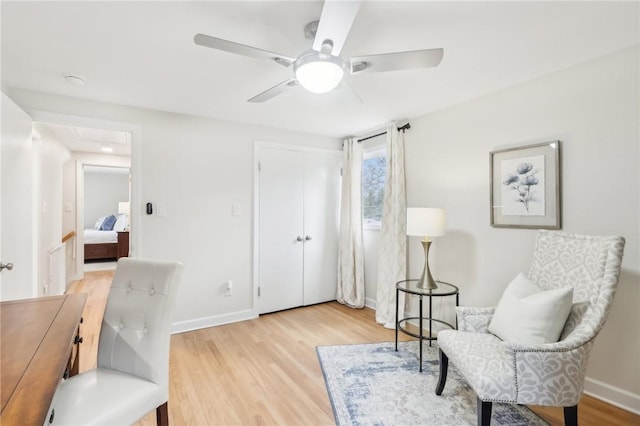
542 374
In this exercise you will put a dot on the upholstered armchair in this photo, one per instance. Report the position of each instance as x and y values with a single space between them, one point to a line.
132 377
542 373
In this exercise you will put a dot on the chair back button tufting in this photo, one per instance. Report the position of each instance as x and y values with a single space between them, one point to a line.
152 291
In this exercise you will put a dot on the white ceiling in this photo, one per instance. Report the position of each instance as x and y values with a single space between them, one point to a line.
83 139
142 54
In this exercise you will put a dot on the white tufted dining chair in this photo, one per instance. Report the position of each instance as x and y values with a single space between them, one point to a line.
539 374
132 376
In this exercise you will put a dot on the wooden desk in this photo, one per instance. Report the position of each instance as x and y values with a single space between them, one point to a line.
36 338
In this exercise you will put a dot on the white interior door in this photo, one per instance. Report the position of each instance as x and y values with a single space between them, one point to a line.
281 229
321 219
18 243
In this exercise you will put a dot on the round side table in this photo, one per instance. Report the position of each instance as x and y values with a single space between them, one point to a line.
411 287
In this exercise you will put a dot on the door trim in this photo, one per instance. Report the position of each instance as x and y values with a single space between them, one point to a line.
257 146
135 172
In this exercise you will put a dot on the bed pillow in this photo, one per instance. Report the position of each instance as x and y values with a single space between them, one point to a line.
527 314
121 223
108 223
100 222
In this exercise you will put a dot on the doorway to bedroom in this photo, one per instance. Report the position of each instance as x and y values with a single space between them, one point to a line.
106 228
95 158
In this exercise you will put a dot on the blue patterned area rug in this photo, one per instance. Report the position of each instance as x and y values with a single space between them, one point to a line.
372 384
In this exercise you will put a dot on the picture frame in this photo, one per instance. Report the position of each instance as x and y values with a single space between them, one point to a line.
525 188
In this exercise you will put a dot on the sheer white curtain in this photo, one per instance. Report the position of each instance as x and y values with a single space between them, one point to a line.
351 252
392 258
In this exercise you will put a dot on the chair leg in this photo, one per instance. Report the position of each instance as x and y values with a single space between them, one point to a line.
571 416
484 412
444 367
162 414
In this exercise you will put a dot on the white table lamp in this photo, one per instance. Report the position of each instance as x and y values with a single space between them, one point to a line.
123 207
426 222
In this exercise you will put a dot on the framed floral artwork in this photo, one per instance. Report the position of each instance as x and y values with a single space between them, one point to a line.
526 186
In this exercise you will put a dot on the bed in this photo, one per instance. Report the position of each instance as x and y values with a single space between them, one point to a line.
106 244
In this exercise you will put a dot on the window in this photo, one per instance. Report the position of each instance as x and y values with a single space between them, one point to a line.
373 179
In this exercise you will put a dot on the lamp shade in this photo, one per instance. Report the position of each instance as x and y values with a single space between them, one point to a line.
123 207
425 221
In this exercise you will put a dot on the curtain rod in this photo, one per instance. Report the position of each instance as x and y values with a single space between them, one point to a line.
402 128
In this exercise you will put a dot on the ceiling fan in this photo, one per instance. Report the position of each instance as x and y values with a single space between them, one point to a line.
321 69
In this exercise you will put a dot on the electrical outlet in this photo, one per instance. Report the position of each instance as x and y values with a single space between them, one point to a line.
229 289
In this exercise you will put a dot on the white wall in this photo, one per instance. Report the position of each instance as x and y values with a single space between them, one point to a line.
69 221
102 193
50 158
594 110
196 169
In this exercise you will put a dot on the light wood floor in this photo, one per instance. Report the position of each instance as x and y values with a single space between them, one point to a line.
266 371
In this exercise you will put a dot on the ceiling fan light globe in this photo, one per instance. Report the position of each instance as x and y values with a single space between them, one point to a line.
319 73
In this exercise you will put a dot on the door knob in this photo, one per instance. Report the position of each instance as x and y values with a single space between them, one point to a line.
7 266
308 237
299 238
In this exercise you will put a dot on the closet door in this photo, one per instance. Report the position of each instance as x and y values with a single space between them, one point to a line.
321 219
280 210
298 208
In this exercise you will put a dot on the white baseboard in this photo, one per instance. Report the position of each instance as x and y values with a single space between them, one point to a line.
370 303
205 322
610 394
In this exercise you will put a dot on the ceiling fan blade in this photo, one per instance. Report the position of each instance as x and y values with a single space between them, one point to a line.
335 23
274 91
241 49
426 58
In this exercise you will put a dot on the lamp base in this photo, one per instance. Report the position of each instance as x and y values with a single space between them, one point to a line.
426 281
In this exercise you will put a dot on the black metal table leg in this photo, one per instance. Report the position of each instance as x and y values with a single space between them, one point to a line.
421 333
397 319
430 317
457 304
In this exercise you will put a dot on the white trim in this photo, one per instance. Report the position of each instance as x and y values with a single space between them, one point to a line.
290 147
612 395
370 303
374 151
134 169
212 321
368 226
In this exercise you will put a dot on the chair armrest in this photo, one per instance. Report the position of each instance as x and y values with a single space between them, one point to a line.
550 373
568 344
475 319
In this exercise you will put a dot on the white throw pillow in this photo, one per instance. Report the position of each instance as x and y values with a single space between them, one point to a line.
528 314
121 223
100 222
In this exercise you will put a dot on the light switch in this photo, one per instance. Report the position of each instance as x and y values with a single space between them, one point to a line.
236 210
68 207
